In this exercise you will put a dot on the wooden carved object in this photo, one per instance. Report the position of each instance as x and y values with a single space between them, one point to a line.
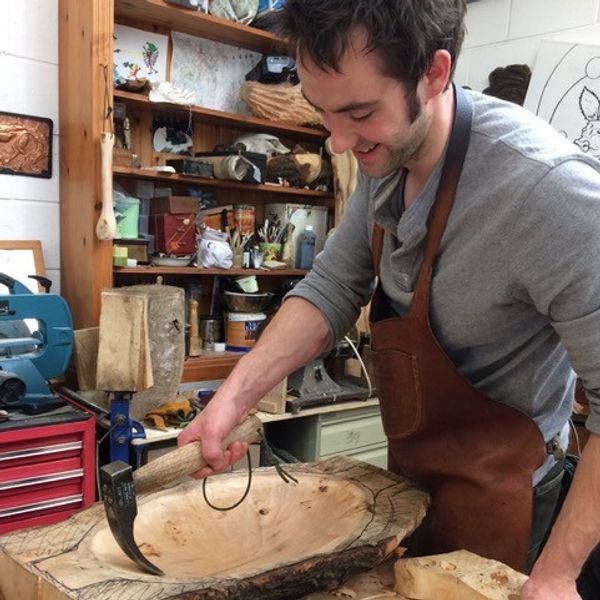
281 102
164 308
106 228
284 540
25 145
345 173
458 574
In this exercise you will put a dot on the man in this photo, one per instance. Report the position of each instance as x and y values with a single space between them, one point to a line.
488 286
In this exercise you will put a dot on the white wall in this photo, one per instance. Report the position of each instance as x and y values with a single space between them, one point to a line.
29 207
504 32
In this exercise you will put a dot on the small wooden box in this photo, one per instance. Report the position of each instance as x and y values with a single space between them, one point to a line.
174 234
174 205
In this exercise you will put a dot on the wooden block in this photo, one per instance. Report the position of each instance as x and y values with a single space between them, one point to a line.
457 575
274 401
124 362
86 357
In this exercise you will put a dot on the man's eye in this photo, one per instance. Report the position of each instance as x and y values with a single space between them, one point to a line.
361 117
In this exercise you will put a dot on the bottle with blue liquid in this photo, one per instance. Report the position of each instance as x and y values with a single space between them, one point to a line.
306 249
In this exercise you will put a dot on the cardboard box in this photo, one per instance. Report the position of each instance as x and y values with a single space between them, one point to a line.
174 205
301 215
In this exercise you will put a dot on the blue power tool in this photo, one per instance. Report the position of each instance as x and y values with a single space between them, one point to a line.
28 359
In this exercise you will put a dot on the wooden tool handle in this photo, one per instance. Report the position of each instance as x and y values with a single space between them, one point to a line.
106 228
188 459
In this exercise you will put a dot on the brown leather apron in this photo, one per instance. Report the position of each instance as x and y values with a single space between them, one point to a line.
474 455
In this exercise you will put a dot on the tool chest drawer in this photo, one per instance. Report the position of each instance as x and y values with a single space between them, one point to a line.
356 432
46 472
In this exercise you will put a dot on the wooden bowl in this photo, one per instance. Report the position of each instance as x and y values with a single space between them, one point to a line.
283 541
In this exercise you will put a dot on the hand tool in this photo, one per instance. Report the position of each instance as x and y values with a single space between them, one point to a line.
120 485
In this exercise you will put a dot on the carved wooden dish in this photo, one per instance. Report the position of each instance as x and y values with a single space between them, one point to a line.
283 541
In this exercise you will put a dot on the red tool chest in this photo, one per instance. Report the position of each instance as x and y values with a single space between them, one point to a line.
174 234
47 470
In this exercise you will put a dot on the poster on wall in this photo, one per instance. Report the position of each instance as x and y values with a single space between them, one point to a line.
139 55
214 71
565 92
25 145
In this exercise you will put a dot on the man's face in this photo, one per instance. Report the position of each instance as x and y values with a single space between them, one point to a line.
366 112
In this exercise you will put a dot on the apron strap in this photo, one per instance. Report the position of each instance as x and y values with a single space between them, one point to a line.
453 163
438 216
377 247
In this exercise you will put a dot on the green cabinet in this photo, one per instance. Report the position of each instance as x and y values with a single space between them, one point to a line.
357 433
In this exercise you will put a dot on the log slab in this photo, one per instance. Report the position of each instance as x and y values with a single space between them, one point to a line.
283 541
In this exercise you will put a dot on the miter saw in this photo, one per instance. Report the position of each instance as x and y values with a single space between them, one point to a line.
28 359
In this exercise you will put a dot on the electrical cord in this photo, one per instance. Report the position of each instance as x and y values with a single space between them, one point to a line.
362 364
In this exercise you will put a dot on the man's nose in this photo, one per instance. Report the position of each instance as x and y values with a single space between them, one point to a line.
342 137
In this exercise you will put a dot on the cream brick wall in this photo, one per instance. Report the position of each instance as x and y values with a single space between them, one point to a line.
503 32
29 206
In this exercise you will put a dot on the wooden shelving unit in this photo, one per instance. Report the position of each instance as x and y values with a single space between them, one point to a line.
157 13
226 119
151 270
173 178
86 95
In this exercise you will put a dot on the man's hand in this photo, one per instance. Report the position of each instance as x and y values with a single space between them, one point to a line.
211 430
549 589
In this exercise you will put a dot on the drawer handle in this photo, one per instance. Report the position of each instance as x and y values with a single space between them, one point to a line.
40 479
37 506
40 451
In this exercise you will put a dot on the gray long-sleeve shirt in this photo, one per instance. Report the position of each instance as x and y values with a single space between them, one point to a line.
516 286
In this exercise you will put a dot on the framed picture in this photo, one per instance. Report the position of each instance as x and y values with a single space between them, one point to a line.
25 145
21 258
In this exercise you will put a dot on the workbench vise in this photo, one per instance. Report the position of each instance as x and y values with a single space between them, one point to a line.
28 359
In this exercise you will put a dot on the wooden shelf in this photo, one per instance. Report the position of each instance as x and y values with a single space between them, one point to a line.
217 183
150 270
209 365
217 117
159 13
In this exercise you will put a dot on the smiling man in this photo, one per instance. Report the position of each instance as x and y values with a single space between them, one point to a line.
474 230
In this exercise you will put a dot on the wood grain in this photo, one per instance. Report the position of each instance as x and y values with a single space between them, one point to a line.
284 541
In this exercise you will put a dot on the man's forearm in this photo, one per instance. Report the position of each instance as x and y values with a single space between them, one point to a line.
297 334
577 529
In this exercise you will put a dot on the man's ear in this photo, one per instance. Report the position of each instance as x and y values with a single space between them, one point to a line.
436 79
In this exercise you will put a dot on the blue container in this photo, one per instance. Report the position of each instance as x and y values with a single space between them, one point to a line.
306 249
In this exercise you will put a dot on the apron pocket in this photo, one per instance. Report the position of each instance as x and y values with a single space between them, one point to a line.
397 384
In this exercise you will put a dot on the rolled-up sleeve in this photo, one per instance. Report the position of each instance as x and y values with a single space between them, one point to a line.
342 277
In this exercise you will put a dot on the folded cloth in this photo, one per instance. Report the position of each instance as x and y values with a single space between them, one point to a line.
171 414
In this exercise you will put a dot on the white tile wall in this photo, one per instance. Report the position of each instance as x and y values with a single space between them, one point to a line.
533 17
29 206
34 29
504 32
487 22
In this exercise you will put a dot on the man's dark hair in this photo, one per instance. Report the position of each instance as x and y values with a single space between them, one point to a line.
405 34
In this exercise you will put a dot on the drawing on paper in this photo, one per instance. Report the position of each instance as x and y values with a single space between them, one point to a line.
139 55
565 91
214 71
